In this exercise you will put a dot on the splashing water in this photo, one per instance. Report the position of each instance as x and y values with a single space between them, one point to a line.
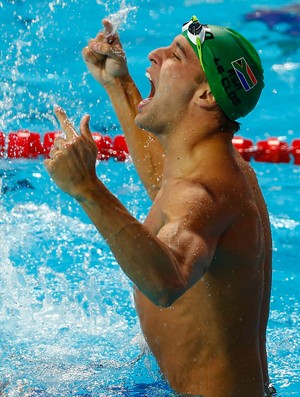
119 18
41 54
28 71
67 320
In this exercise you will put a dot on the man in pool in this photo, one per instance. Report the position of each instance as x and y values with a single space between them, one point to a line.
201 261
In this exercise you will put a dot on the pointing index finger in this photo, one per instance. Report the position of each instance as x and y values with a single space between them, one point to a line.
65 123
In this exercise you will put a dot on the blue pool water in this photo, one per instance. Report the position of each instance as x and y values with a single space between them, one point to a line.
67 321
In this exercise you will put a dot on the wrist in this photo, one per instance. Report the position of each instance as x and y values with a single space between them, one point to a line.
88 191
117 82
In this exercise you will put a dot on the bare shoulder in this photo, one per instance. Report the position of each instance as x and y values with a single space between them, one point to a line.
214 199
199 205
211 190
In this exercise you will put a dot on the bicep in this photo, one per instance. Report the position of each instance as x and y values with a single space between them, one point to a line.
193 249
195 221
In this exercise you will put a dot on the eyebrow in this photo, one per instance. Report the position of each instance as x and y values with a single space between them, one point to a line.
180 46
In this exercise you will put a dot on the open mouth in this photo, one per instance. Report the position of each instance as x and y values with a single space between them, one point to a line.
145 101
152 92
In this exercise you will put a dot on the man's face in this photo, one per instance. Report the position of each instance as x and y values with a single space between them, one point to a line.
173 77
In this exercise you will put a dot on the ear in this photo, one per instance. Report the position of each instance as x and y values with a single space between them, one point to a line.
204 98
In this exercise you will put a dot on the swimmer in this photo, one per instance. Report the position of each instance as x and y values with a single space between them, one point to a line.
201 261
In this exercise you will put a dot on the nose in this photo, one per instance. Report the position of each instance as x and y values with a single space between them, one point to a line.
158 55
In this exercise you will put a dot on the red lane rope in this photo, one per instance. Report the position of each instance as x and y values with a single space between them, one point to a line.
27 144
271 150
30 145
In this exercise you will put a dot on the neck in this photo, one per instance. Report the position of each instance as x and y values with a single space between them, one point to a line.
188 143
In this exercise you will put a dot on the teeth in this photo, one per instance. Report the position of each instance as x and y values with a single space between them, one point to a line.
148 76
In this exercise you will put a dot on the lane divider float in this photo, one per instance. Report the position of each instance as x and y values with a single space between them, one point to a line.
30 145
271 150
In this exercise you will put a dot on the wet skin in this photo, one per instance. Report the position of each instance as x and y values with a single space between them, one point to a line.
201 262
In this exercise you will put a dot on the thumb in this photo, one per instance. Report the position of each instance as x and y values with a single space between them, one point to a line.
109 30
85 128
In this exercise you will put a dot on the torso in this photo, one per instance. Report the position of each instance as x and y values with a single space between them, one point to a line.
210 342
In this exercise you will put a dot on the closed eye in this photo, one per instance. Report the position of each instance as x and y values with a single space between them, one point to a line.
181 49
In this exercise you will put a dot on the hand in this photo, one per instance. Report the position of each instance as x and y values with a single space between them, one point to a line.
105 57
72 163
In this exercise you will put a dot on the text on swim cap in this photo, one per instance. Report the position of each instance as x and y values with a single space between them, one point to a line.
230 82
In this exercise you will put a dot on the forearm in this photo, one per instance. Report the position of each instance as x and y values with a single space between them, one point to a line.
148 262
145 149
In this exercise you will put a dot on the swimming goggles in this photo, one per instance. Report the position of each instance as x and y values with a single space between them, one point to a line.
194 31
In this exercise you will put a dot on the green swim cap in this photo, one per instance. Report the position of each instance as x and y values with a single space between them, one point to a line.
232 66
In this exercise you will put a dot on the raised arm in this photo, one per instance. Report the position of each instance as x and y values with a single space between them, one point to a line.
162 266
106 60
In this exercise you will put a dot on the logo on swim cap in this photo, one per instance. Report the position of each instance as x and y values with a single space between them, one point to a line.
244 73
232 66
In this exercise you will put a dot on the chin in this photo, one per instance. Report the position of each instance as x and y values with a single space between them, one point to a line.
142 123
149 123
